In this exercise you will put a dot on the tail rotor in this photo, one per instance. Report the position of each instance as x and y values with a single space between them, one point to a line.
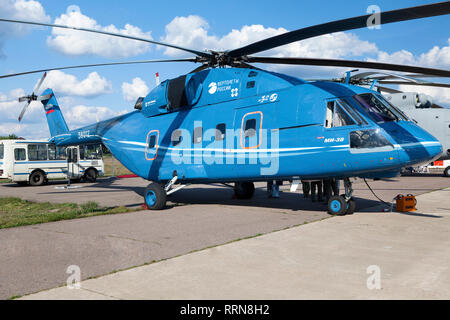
33 97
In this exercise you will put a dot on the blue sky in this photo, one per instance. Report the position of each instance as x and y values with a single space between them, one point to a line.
424 42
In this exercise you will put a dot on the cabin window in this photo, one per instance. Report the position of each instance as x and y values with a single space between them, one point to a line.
20 154
176 137
252 74
198 135
251 84
52 152
152 142
2 150
336 117
37 152
250 128
220 132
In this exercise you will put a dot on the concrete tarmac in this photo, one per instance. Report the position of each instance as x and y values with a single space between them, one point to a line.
364 256
35 258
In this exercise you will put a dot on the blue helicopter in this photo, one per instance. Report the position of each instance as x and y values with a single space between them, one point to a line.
230 122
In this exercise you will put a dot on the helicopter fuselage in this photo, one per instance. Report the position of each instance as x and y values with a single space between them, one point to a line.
223 125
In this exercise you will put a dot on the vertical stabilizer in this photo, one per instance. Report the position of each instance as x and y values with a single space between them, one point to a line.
56 123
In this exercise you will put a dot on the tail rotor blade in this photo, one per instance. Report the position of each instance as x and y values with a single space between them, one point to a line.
23 111
38 85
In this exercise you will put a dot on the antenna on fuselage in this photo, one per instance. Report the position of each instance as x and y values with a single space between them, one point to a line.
157 79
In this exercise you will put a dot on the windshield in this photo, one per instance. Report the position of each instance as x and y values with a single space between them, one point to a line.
378 109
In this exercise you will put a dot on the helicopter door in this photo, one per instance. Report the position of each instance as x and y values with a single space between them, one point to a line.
251 130
151 147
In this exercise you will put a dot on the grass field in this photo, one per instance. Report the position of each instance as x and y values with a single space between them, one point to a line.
15 212
119 168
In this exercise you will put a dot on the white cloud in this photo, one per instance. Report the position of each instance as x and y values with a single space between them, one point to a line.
82 115
73 42
132 91
19 9
436 57
68 85
192 32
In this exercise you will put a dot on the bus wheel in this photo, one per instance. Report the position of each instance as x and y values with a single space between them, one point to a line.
155 197
447 172
37 178
90 175
244 190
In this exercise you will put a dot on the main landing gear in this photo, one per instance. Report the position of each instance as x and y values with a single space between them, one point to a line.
343 204
244 190
156 194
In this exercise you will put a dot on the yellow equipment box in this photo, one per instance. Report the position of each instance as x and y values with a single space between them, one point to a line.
406 203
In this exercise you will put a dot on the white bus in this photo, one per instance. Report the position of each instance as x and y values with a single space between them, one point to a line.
36 162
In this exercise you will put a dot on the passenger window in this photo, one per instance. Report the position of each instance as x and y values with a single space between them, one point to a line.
2 149
176 137
250 84
336 117
19 154
37 152
198 134
82 152
250 128
152 142
220 132
51 152
61 153
252 74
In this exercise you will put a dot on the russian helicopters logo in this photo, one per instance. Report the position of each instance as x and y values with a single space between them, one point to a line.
212 88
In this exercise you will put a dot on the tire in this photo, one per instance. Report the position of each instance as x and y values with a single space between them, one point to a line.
37 178
90 175
155 197
244 190
351 206
447 172
337 206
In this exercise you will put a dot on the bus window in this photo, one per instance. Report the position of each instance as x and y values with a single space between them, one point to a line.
51 152
37 152
61 153
2 150
93 152
20 154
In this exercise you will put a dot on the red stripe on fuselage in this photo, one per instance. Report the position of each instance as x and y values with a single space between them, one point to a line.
51 111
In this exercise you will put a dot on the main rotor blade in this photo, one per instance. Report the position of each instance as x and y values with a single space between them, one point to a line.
23 110
199 53
96 65
435 9
350 63
426 84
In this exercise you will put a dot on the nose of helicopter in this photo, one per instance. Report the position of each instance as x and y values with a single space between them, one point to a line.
414 144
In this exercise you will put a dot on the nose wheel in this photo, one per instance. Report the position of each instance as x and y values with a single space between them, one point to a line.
155 197
343 204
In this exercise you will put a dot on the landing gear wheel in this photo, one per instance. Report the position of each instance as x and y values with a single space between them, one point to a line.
90 176
351 206
244 190
447 172
37 178
155 197
337 206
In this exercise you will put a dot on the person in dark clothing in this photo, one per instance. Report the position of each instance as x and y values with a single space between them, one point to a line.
306 188
316 185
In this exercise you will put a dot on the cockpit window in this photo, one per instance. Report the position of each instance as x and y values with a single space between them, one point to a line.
368 139
336 116
397 111
378 108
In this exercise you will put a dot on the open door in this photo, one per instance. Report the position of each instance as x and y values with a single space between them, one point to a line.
73 169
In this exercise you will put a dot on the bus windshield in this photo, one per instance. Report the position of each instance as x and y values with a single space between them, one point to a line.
378 109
